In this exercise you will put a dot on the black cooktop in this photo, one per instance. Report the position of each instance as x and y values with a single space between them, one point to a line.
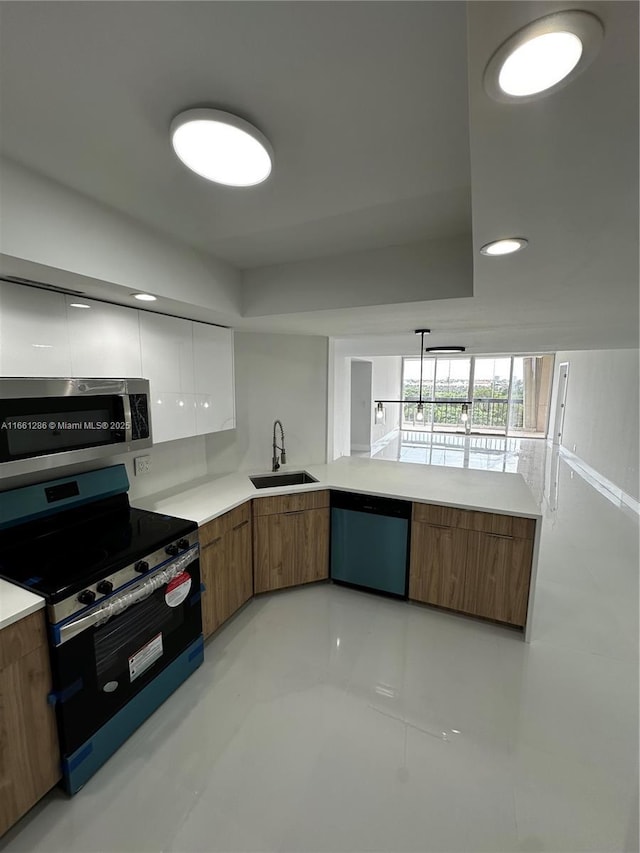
61 554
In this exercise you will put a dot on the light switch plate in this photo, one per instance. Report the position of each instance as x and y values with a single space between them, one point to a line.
142 465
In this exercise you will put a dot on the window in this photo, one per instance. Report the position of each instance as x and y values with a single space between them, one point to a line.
508 395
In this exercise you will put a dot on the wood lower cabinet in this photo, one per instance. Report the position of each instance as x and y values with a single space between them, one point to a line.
497 574
29 752
291 540
226 566
437 566
473 562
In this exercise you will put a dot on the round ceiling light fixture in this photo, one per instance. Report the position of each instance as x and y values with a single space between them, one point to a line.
221 147
444 349
507 246
543 57
144 297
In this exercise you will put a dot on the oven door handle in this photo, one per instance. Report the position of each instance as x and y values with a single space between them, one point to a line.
120 603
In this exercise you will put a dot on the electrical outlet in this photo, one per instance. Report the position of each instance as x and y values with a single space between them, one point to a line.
142 465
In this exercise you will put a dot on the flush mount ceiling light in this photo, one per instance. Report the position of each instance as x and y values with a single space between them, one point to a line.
444 349
144 297
221 147
78 305
543 57
503 247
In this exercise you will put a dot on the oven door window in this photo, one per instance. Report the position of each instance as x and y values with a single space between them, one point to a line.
39 427
99 670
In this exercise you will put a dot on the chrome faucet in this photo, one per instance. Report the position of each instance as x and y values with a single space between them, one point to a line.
275 461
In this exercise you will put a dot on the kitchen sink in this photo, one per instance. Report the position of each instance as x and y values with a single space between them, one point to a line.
270 481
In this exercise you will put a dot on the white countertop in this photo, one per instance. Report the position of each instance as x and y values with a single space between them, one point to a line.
209 497
16 603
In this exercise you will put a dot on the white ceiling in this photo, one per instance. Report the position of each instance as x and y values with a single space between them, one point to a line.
383 136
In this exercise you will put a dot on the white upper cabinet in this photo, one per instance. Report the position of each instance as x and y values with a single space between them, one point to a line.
166 344
167 352
33 332
214 380
104 339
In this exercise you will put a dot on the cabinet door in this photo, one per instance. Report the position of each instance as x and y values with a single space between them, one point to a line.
239 566
30 760
213 558
104 339
291 548
166 345
498 570
437 567
214 378
34 340
312 552
275 546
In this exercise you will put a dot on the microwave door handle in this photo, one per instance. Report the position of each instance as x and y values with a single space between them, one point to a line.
119 603
126 416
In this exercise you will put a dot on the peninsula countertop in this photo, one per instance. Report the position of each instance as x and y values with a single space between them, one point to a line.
485 491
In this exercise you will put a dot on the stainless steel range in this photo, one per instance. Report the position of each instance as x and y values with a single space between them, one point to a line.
123 590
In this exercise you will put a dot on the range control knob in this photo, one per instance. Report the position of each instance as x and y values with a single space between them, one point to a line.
87 596
141 566
105 587
171 550
183 544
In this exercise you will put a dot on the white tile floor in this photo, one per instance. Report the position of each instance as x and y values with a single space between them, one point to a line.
326 719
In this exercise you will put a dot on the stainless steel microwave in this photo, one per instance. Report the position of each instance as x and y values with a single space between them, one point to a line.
50 422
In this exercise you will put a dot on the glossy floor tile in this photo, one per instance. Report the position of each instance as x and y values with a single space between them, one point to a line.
327 719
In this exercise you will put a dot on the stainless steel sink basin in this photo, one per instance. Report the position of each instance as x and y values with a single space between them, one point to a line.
270 481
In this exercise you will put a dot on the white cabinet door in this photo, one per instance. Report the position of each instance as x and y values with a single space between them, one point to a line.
104 339
167 352
166 345
172 416
33 332
214 380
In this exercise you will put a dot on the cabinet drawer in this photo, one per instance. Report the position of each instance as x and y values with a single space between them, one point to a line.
217 527
290 503
481 522
22 637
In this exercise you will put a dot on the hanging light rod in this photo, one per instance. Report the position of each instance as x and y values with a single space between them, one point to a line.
379 413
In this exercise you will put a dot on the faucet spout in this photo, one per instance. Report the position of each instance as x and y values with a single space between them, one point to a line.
275 461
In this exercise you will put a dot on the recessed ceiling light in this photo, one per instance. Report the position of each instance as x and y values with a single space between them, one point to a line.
78 305
144 297
503 247
543 56
444 349
221 147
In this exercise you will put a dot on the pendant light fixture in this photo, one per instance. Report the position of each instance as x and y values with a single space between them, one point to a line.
379 411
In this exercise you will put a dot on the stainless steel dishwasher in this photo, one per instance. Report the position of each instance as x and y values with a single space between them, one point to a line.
370 542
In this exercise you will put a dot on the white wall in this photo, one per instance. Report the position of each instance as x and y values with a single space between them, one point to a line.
601 417
386 385
277 377
55 229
